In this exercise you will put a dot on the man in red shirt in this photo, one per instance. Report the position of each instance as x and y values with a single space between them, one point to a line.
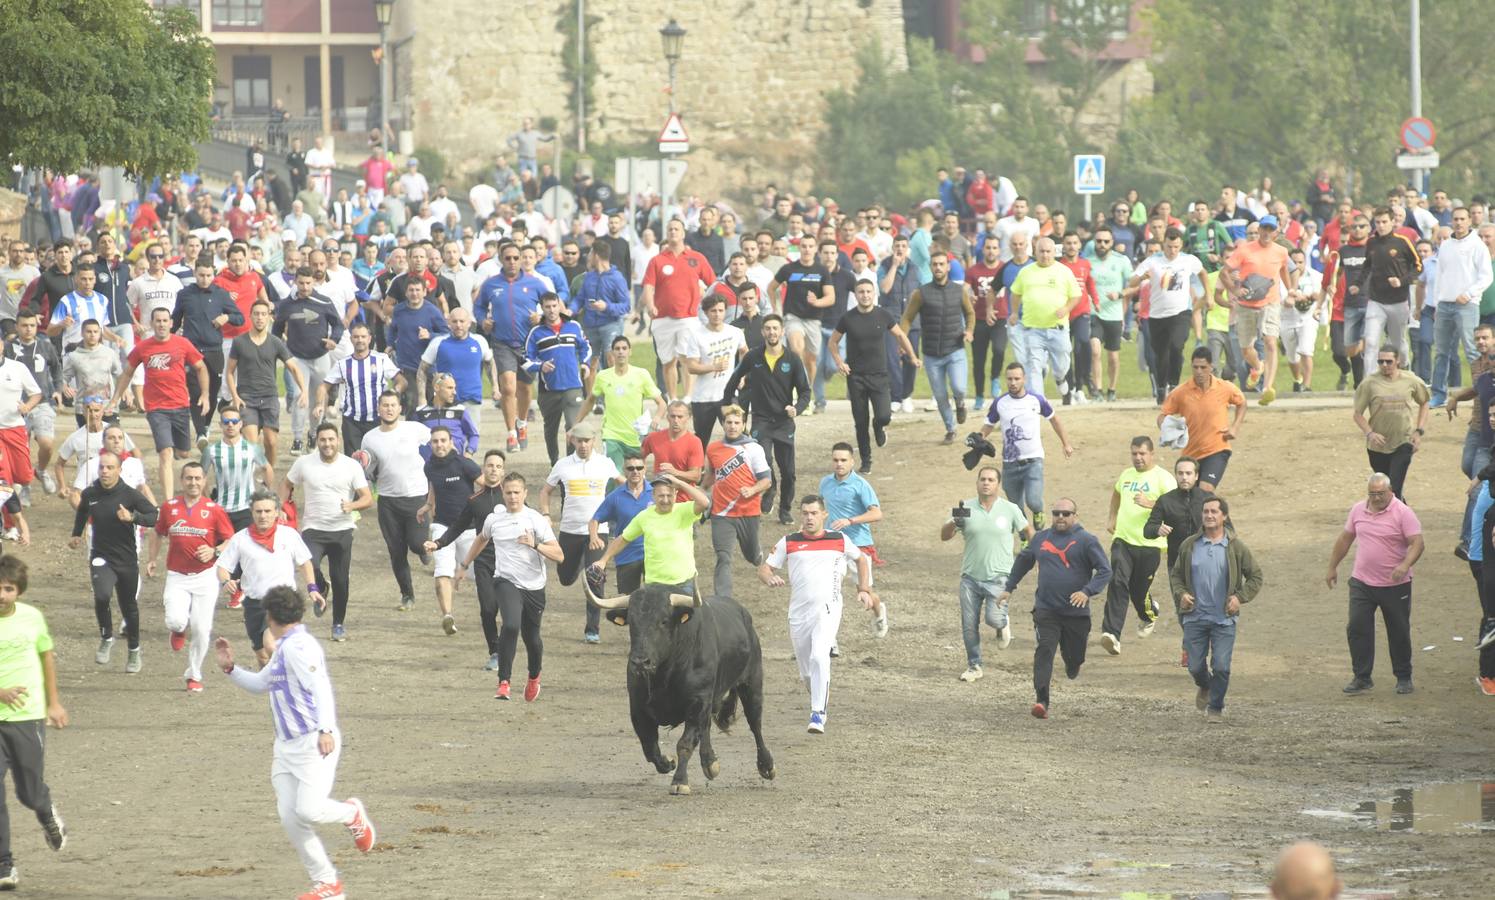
676 449
673 283
980 198
991 316
1086 356
194 527
166 357
244 285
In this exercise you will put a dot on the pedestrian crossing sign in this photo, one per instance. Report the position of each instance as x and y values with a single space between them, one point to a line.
1090 174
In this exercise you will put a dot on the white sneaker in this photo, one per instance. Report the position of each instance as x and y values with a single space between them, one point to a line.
971 674
11 534
49 484
1111 643
908 404
880 624
1144 629
817 723
1004 637
931 406
24 494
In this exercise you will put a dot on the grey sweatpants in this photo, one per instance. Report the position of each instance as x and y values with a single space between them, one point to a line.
726 530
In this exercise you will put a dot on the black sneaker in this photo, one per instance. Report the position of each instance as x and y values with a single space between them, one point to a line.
766 507
1461 550
866 467
1342 383
1110 396
1404 685
835 652
960 413
784 517
879 434
55 830
296 446
1297 387
10 878
1359 686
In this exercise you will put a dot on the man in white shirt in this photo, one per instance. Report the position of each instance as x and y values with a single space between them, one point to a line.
715 350
333 489
268 555
413 186
443 207
392 451
463 278
1464 273
585 477
319 163
1016 223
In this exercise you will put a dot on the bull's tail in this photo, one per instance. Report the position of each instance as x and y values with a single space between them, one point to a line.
727 713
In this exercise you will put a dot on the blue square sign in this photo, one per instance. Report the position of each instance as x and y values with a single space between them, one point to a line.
1090 174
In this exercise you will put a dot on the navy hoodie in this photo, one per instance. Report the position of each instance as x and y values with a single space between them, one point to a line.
1069 562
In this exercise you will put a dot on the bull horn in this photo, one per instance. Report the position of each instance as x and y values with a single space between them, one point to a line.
618 602
684 600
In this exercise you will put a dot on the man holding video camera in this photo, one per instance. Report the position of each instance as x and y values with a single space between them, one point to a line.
990 526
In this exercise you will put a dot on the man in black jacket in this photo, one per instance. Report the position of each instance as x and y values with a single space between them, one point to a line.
1392 266
1178 514
775 389
311 326
115 509
1072 569
202 309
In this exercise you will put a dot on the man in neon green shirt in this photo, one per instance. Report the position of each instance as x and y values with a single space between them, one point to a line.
1045 292
28 695
1134 558
622 390
668 532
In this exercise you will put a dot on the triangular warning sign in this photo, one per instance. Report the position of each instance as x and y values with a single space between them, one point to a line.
674 131
1089 174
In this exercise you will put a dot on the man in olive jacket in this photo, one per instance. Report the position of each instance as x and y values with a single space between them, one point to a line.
1213 575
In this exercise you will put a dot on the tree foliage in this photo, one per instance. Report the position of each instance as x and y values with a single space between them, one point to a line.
111 83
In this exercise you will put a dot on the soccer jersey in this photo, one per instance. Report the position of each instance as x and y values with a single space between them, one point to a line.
736 465
1172 283
165 363
188 527
463 360
1021 419
586 482
234 467
1130 517
816 565
364 379
623 399
712 347
24 637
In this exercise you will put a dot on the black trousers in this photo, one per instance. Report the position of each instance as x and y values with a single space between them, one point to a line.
337 548
1167 336
255 622
402 535
1066 633
1080 376
871 399
1484 580
555 407
579 555
630 577
1132 570
776 436
1393 465
109 582
487 588
213 359
521 611
21 753
1395 604
984 337
353 432
704 415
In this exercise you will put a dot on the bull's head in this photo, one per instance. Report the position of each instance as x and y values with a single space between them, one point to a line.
653 614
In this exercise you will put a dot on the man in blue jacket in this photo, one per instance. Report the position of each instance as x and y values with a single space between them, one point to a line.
1072 568
602 302
556 351
411 327
506 308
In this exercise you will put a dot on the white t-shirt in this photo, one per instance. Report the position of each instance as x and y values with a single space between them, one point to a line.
264 570
513 561
1009 226
131 472
708 346
402 470
15 381
1172 283
148 294
816 567
1021 421
324 486
586 482
84 444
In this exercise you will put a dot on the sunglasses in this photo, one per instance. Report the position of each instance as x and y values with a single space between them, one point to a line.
509 258
1385 362
1061 513
155 256
229 421
633 468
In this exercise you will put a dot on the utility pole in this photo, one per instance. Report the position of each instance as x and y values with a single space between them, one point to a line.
1416 79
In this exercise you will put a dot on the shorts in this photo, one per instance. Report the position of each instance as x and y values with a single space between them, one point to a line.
1108 333
1299 332
1212 467
509 358
810 328
17 444
171 429
1354 325
446 557
42 421
673 338
261 412
1251 324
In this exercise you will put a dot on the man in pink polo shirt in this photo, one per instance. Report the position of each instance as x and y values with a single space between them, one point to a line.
1390 543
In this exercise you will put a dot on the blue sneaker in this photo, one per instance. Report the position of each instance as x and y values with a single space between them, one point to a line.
492 665
339 633
592 637
817 723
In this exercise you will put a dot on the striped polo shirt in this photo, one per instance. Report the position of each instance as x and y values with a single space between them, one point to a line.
364 380
233 467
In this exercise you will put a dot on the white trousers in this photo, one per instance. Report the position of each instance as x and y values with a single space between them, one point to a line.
303 778
812 628
189 603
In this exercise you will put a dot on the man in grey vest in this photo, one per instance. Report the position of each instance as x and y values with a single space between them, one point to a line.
948 319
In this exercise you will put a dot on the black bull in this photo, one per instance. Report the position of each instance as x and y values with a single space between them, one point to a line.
690 663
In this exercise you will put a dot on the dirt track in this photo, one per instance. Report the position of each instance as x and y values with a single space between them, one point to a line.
922 786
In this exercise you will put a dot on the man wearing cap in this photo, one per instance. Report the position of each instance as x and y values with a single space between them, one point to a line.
585 477
1251 275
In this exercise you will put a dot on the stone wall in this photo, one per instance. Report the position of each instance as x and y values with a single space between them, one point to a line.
750 89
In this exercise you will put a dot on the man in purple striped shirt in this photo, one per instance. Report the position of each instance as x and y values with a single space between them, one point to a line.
307 744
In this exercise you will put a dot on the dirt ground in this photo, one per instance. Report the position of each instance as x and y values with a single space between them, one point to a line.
922 786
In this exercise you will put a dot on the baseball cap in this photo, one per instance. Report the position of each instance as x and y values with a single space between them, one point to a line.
657 477
1268 221
583 431
412 161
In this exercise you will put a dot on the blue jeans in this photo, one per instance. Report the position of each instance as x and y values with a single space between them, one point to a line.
1473 461
825 366
976 597
947 375
1422 346
1209 646
1451 322
1046 345
601 337
1022 480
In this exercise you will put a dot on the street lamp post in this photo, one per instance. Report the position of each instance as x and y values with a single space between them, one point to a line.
672 39
384 12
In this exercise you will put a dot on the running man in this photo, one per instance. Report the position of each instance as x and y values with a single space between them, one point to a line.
307 740
989 526
269 555
737 475
488 496
584 477
717 349
667 528
777 390
852 506
113 508
867 328
450 477
395 452
195 527
363 377
1020 413
250 379
166 358
622 390
816 561
1134 556
333 489
616 511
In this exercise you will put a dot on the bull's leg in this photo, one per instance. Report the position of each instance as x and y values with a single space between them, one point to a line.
690 736
751 694
710 765
648 737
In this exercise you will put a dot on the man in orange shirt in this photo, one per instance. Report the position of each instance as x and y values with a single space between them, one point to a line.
673 284
1204 403
1252 275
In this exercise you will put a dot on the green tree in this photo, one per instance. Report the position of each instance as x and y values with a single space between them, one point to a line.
113 83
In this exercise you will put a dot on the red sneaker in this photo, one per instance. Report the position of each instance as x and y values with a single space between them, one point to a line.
532 689
324 890
523 434
361 828
178 640
503 691
236 600
1040 711
1487 686
194 686
513 445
